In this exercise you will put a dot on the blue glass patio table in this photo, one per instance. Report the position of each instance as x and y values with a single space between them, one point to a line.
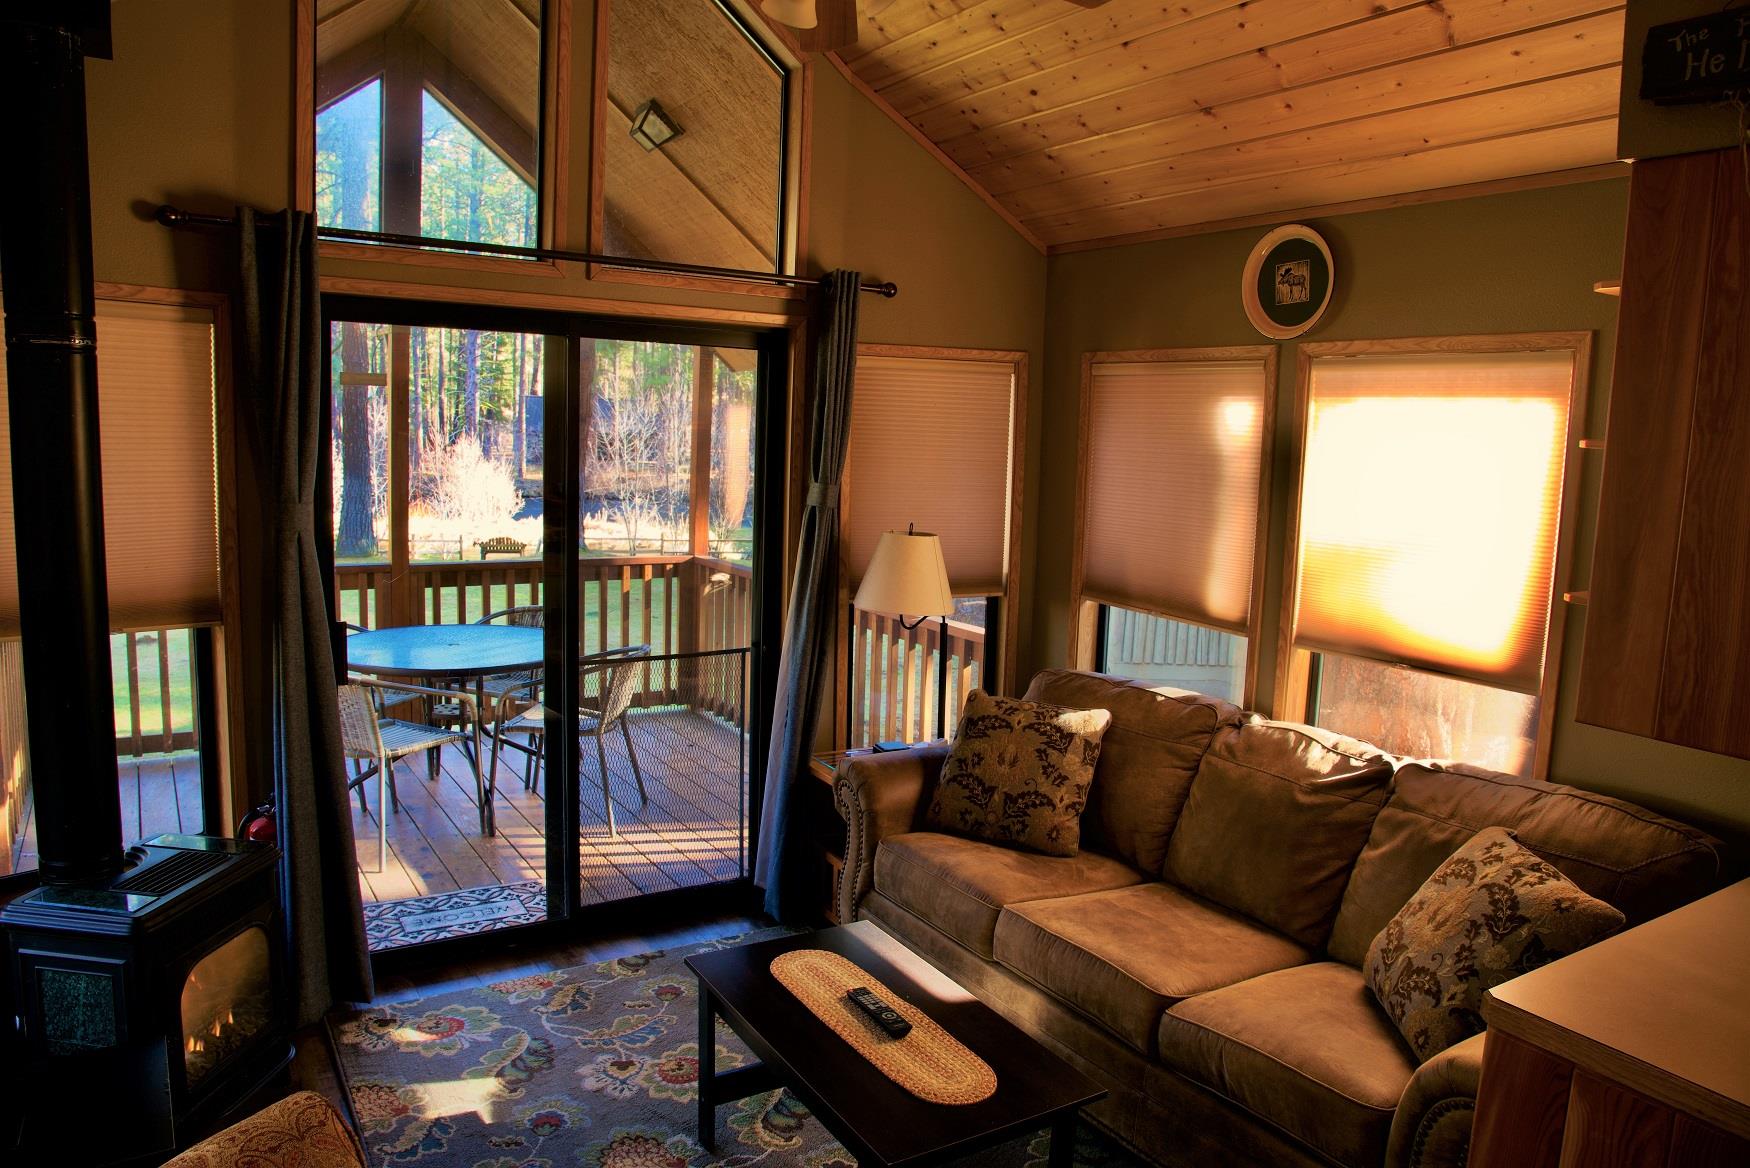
452 652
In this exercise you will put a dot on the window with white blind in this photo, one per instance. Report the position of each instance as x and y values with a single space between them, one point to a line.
156 385
1423 567
160 499
934 439
1171 524
932 444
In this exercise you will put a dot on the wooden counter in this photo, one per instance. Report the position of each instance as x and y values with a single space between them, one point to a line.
1635 1051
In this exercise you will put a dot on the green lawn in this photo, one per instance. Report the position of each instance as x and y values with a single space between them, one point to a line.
152 705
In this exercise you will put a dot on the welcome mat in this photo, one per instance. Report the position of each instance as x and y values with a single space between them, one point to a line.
394 923
595 1066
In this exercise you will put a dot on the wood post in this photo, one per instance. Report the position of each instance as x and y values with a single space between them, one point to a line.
699 494
406 607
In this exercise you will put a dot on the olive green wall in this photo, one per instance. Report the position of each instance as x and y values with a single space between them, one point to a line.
1505 263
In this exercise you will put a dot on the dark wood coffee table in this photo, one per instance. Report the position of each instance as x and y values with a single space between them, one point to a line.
878 1121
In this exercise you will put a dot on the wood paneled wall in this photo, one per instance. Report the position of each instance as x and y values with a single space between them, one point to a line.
1667 650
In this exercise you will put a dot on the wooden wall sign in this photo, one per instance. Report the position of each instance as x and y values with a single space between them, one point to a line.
1706 58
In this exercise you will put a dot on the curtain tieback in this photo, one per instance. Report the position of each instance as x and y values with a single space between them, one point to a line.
823 495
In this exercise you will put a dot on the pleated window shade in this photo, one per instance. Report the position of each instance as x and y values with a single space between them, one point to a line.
1170 518
930 446
1430 499
160 498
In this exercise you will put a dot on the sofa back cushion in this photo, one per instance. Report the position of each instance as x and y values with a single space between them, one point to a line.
1624 855
1275 819
1147 757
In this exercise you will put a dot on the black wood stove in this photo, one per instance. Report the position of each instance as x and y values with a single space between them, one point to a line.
149 1003
147 987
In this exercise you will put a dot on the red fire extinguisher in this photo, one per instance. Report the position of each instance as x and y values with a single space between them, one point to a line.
259 825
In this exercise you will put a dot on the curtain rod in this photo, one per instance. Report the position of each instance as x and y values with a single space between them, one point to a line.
171 216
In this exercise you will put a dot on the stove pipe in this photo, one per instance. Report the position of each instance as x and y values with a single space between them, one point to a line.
57 482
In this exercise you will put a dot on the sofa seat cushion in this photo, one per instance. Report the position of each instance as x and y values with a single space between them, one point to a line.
1306 1049
1123 956
960 885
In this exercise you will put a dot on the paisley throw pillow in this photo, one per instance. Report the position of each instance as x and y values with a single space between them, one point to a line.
1491 912
1019 773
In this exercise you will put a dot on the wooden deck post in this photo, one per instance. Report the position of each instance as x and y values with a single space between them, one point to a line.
404 608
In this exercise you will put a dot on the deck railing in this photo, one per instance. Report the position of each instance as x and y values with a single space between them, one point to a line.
893 677
673 603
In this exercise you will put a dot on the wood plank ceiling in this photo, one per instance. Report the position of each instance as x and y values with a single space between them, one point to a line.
1143 116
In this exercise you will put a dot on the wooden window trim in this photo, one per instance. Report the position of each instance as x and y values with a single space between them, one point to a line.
1293 665
553 185
1008 635
1084 606
798 135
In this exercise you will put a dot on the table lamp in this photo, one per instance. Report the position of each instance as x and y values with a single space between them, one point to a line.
908 576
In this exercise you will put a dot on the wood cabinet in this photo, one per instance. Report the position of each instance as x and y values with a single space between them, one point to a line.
1667 651
1635 1052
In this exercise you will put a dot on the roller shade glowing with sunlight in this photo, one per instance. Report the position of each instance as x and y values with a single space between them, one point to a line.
1430 498
160 498
930 446
1170 517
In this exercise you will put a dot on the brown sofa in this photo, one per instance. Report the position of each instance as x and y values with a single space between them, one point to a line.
1200 956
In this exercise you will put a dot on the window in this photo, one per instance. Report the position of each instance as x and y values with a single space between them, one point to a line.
157 413
934 438
1163 651
1170 520
427 119
713 193
461 410
1422 588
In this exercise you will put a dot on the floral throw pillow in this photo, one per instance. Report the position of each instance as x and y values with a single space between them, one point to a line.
1491 912
1019 773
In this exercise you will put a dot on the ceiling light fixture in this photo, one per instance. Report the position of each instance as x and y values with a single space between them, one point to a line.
652 126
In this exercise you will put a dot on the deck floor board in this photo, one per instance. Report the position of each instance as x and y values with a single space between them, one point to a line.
691 832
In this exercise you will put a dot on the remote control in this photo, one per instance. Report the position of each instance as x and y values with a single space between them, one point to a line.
885 1016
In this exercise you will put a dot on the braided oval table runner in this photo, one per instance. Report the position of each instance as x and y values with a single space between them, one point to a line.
929 1062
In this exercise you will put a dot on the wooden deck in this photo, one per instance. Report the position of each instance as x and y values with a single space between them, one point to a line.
159 794
690 833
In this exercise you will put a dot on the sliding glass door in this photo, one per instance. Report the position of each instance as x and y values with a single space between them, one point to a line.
549 566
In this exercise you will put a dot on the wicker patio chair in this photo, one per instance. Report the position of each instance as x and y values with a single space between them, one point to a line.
367 736
523 711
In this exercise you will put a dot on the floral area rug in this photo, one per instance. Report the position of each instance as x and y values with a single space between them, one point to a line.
594 1066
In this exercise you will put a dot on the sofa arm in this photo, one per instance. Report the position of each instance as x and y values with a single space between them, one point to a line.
1432 1126
879 795
300 1131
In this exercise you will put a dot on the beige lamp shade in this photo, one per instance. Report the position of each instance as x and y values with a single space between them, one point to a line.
907 576
795 13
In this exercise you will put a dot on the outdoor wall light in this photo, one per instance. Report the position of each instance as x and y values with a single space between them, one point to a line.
652 126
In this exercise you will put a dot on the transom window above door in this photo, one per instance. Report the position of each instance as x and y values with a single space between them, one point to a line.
691 139
428 118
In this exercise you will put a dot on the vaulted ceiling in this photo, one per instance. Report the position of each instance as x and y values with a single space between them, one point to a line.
1140 116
